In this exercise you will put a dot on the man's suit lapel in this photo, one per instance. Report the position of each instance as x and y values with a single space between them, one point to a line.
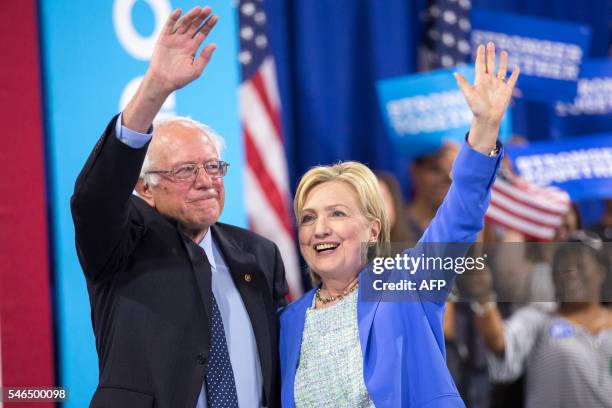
251 284
203 276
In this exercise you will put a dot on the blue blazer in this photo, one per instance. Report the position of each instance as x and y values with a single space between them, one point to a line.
403 342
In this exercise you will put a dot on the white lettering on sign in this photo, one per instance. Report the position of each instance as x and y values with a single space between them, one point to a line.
535 57
544 169
437 111
594 98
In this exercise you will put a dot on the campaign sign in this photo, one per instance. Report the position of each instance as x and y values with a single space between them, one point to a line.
423 110
591 111
549 53
582 165
94 54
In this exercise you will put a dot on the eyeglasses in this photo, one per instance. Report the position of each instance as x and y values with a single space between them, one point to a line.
188 172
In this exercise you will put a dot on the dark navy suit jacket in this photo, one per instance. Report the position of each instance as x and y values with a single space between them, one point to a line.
150 288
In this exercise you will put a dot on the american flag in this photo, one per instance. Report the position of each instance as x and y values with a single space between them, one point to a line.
266 179
447 31
532 210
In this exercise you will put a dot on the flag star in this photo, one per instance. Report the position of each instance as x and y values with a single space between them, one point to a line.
245 57
248 9
247 33
448 39
466 4
463 46
261 41
450 17
435 11
447 61
260 17
464 24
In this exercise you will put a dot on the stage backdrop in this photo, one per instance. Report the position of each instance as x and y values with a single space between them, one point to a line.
94 54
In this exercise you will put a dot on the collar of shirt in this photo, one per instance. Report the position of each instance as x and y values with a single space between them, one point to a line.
207 245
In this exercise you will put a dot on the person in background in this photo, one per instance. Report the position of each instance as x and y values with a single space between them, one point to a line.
394 207
338 349
431 179
522 274
604 230
604 227
565 353
523 269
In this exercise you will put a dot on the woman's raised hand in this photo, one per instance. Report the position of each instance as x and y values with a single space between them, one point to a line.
488 97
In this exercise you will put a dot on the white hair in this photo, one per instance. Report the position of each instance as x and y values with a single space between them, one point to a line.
148 163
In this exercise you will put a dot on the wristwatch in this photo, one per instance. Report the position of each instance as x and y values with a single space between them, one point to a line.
495 151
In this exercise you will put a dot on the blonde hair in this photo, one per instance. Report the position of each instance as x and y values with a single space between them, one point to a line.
361 180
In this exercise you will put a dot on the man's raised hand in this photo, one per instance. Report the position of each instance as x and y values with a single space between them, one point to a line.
174 63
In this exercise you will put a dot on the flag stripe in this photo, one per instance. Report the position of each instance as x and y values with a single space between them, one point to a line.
266 222
273 195
269 78
530 198
261 129
508 220
526 212
273 115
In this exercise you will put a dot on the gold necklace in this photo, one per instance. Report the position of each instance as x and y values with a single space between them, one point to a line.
326 300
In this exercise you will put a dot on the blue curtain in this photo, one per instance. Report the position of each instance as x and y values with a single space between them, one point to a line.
329 55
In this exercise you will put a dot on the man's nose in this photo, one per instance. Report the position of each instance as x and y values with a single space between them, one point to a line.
203 179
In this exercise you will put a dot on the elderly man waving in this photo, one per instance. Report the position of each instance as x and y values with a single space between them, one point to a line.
183 307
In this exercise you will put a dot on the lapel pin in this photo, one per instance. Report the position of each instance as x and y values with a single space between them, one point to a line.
247 277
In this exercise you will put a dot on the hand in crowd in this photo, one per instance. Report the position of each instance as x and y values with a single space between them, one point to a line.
488 97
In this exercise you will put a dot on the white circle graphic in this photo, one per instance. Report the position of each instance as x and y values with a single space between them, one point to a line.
135 44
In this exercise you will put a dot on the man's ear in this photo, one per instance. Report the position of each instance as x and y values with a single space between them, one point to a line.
144 191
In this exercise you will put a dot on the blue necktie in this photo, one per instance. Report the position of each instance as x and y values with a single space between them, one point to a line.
220 383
